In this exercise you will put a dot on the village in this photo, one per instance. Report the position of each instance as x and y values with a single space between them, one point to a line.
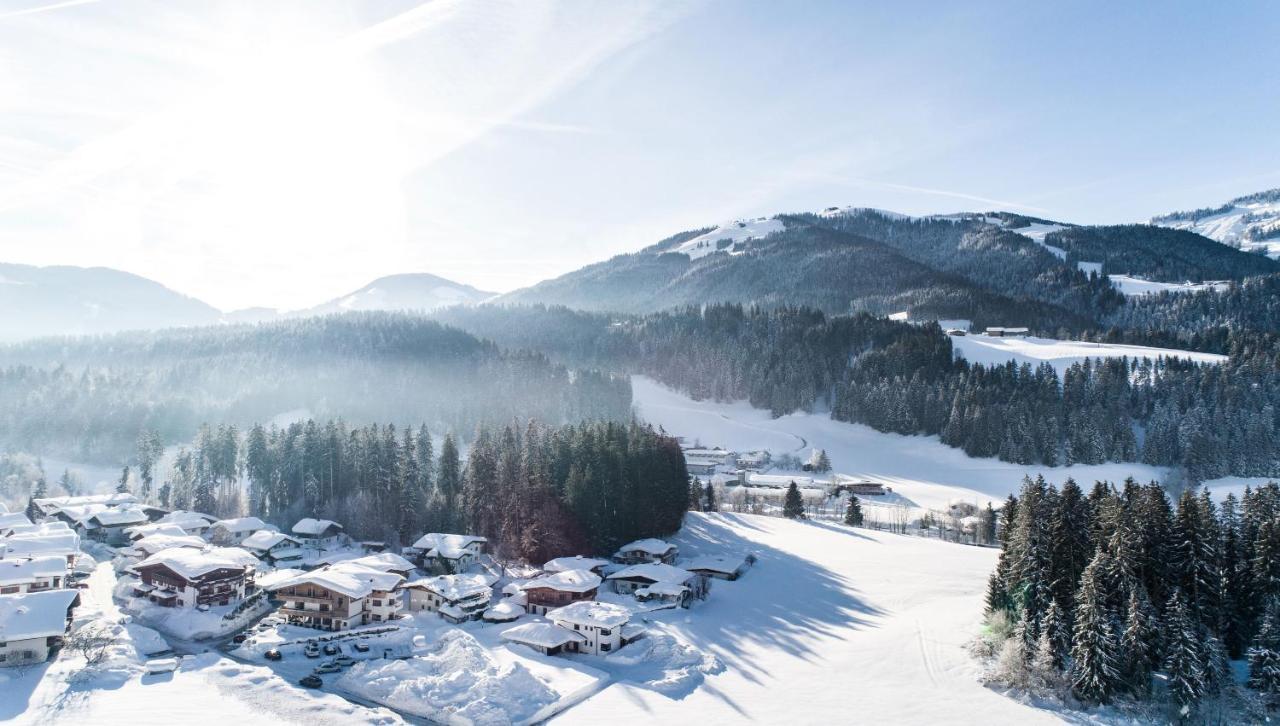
317 606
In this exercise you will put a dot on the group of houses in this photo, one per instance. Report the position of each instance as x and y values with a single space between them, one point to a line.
37 587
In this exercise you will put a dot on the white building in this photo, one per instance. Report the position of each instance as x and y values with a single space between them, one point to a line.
34 575
274 548
386 562
646 550
190 522
448 553
457 598
231 532
33 625
340 596
659 581
317 533
600 624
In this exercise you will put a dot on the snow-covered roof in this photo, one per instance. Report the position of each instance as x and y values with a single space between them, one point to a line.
13 520
15 572
543 635
717 563
183 518
450 546
152 544
567 581
14 547
117 516
577 562
344 578
269 580
505 611
35 614
194 564
650 546
146 530
114 498
454 588
780 481
654 572
241 524
265 539
309 527
385 561
591 613
663 589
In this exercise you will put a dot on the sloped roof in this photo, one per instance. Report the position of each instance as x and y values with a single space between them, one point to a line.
651 546
717 563
507 610
385 561
354 581
15 572
241 524
451 546
34 547
313 527
35 614
12 520
155 543
455 587
577 562
654 572
265 539
567 581
543 635
116 516
592 613
194 564
146 530
184 518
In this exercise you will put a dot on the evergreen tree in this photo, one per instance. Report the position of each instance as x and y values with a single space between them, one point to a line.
122 487
1095 667
853 512
712 505
793 504
1184 662
450 483
1264 654
39 491
1139 641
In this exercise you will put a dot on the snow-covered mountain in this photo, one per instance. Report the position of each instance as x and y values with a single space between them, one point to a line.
417 291
1251 222
63 300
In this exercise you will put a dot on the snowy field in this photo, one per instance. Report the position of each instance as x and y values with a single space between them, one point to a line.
727 233
832 625
1060 353
919 468
1137 287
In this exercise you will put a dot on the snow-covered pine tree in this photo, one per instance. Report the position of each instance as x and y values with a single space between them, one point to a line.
1055 635
853 512
1140 641
695 494
793 503
1184 661
39 491
1264 654
122 487
711 504
1095 658
1070 542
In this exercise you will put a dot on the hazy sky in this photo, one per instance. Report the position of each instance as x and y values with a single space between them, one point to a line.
282 153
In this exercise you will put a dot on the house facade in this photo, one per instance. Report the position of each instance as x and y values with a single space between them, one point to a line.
185 577
34 575
33 625
317 533
447 553
599 623
457 598
340 596
661 582
274 548
231 532
556 590
646 550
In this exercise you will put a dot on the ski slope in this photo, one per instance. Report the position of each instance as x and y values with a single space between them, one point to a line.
1061 354
730 233
1136 286
831 625
919 468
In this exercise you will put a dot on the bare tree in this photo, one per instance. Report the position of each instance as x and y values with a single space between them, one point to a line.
93 641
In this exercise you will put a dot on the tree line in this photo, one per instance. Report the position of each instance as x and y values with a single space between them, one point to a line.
1099 592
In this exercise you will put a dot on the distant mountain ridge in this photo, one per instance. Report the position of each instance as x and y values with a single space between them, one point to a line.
413 291
1250 222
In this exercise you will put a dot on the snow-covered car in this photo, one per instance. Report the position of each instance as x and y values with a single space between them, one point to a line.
345 661
311 681
203 607
331 649
311 651
273 654
327 667
361 647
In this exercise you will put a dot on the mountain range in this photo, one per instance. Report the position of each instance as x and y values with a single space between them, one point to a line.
990 268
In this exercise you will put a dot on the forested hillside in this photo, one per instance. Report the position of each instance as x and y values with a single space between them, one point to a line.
88 398
1159 253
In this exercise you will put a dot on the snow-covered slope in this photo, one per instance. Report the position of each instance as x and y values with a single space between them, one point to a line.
1061 354
725 236
420 292
832 625
1251 222
1136 286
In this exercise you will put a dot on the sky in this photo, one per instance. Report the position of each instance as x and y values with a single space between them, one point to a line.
284 153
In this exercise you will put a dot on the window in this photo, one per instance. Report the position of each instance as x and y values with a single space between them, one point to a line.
606 631
604 647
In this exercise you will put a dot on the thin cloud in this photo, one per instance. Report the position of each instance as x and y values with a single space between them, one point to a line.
946 193
45 8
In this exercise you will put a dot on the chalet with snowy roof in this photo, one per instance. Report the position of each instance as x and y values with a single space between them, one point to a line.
447 553
11 520
109 525
274 548
157 543
231 532
53 506
577 562
646 550
721 567
509 609
34 575
145 530
546 638
602 625
339 597
64 544
185 577
559 589
317 533
386 562
190 522
33 625
659 582
457 598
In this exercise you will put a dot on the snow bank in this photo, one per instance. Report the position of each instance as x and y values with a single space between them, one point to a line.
1062 354
459 680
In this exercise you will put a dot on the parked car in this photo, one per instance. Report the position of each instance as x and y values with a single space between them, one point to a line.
239 638
327 667
311 651
311 681
203 607
361 647
331 649
345 661
273 654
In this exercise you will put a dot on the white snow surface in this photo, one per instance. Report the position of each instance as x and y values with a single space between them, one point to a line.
920 469
1136 286
1037 231
832 625
1061 354
735 231
1231 226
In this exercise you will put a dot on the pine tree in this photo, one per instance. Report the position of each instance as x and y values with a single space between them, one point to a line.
1055 636
1184 662
1095 667
122 487
449 480
39 491
853 512
1264 654
712 505
1139 641
793 504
